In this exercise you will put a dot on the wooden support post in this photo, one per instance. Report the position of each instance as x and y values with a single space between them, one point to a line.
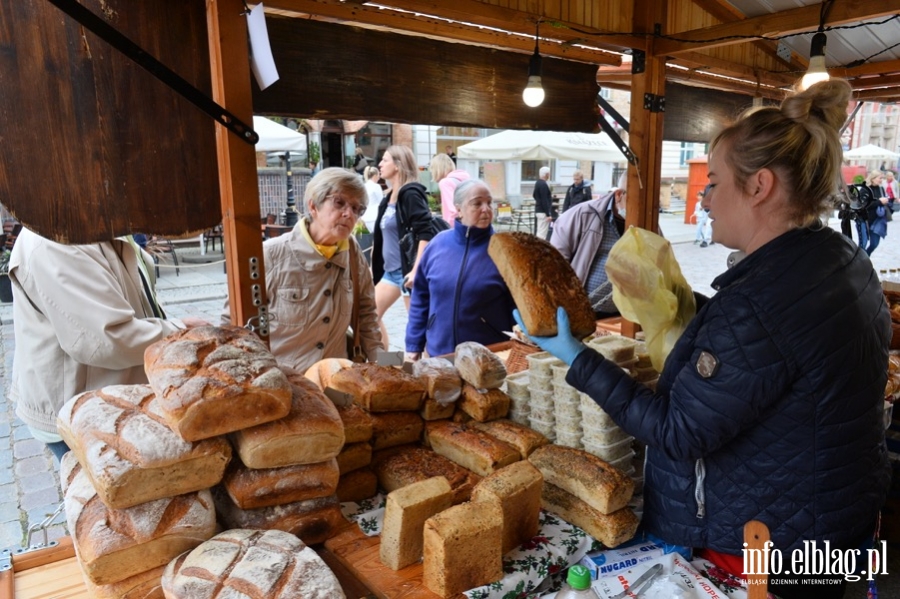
756 535
646 129
230 67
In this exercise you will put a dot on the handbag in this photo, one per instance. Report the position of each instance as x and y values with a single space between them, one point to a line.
354 342
409 244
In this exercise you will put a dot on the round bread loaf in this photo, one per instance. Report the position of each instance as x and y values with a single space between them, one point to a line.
320 372
257 564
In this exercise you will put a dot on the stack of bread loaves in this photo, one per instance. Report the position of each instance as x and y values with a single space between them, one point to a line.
144 457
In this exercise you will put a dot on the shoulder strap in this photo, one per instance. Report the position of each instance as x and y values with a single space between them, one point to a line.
354 309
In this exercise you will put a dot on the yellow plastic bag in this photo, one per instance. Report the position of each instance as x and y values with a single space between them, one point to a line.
649 289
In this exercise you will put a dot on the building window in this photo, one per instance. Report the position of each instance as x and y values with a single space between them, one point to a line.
531 169
686 153
458 136
374 139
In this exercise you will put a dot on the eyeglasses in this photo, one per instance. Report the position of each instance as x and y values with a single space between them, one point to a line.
340 204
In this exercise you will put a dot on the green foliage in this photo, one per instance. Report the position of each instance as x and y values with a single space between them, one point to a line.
360 228
859 179
434 202
4 261
315 153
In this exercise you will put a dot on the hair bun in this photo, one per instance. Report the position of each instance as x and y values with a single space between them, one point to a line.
825 101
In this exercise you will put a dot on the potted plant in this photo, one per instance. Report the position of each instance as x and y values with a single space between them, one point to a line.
5 284
315 155
365 239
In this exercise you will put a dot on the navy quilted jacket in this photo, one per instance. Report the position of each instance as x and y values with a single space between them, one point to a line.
788 428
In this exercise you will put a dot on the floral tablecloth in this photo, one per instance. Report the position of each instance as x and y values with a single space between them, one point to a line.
534 569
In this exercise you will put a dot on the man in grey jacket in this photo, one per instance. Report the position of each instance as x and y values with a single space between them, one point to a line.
83 316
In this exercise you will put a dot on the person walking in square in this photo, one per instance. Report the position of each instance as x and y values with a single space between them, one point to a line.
544 212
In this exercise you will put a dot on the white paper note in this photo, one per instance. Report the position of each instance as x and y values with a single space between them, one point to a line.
261 61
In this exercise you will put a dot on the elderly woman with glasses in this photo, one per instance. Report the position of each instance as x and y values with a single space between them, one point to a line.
308 280
459 294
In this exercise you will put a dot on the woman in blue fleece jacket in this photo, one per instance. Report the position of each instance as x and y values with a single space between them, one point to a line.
459 294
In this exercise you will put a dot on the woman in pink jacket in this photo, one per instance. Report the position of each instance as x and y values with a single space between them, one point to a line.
447 176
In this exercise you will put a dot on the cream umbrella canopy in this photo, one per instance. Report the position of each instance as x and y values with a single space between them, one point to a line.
542 145
870 152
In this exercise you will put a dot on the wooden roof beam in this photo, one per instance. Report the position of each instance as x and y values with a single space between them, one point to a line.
875 82
622 80
795 20
718 66
890 94
884 67
486 25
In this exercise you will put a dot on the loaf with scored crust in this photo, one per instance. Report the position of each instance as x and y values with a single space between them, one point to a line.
115 544
397 467
251 564
600 485
540 281
380 388
215 380
145 585
129 455
470 447
610 529
252 488
311 433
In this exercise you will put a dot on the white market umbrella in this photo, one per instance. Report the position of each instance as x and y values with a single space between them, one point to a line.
277 138
870 152
542 145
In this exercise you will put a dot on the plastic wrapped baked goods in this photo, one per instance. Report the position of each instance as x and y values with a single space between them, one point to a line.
215 380
540 281
441 378
479 366
251 563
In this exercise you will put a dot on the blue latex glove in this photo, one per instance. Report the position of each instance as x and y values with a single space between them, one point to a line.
564 346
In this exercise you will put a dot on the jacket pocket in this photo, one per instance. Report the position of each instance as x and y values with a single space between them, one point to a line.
291 306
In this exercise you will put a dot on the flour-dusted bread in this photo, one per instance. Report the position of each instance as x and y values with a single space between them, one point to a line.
131 456
479 366
215 380
380 388
357 423
519 436
396 428
400 466
405 513
251 564
484 405
144 585
469 447
462 548
253 488
357 485
354 456
311 433
610 529
517 490
441 378
320 372
313 520
115 544
603 487
540 281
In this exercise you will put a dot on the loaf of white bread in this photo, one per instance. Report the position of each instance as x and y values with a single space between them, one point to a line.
517 490
479 366
405 513
311 433
215 380
470 447
521 437
462 548
398 467
252 564
253 488
610 529
484 405
115 544
540 280
129 455
313 520
600 485
320 372
380 388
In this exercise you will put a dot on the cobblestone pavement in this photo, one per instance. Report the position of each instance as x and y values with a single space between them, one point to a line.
29 475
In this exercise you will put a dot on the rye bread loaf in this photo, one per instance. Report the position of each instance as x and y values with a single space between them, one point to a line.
484 405
540 281
521 437
470 447
357 485
396 428
610 529
603 487
144 585
354 456
130 456
400 466
115 544
479 366
311 433
313 520
252 488
215 380
517 490
251 564
380 388
320 372
405 513
357 423
432 410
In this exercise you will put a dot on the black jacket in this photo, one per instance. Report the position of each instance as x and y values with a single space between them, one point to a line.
543 199
576 195
413 214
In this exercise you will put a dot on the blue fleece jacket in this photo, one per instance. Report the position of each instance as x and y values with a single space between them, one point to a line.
458 294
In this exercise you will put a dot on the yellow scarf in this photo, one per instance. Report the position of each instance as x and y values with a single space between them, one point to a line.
327 251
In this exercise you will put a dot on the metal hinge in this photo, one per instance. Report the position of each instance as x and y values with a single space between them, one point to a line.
5 560
654 103
638 61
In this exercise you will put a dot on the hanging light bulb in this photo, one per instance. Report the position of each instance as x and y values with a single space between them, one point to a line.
816 71
533 94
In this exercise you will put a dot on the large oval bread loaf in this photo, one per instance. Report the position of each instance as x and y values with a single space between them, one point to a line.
252 488
215 380
255 564
540 281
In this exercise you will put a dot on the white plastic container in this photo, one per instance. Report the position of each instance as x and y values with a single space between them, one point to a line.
520 416
548 429
545 413
540 363
593 415
609 452
541 398
569 425
517 385
565 392
559 373
568 439
570 410
605 436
